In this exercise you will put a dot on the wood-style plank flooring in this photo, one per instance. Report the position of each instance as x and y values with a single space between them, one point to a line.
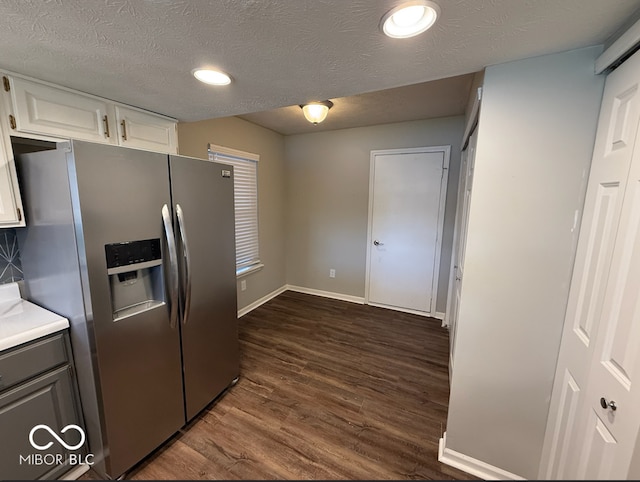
328 390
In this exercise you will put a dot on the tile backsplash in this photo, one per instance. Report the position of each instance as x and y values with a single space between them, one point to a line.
10 265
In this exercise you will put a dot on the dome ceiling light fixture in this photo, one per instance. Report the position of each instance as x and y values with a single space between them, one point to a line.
211 77
316 112
409 18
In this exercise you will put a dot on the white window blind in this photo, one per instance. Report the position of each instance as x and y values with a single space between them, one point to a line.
245 184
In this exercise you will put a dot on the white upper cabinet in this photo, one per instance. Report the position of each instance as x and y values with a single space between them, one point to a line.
34 109
145 131
43 110
10 200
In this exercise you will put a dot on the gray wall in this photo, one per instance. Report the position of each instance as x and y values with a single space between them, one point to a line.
236 133
324 199
328 200
536 133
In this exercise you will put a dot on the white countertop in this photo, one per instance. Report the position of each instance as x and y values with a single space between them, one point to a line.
22 321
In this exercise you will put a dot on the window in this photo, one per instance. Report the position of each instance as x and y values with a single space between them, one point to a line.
245 175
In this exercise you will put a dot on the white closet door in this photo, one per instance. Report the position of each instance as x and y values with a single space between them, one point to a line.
464 200
581 440
612 411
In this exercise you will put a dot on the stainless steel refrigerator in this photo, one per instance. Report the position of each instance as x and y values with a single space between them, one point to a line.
137 249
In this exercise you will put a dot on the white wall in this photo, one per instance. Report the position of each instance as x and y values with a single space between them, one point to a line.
328 200
536 132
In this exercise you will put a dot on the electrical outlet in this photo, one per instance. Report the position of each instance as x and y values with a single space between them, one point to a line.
243 285
332 273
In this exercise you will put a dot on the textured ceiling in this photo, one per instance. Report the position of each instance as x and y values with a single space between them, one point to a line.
438 98
279 52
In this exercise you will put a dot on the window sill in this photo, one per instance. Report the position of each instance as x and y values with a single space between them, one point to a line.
249 270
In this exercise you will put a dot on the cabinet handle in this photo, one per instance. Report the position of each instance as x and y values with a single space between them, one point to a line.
124 130
106 126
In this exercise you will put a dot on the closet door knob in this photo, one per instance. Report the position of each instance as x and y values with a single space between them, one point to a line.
604 404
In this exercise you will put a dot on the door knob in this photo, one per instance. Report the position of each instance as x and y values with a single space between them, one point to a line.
377 243
604 404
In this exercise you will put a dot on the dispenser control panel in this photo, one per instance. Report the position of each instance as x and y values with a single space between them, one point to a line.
132 252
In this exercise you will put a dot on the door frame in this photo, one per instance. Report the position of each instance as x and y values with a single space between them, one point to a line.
446 150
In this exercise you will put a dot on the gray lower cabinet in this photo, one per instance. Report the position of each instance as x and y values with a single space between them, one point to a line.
47 396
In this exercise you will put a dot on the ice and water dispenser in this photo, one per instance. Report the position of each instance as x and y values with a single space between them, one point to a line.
135 277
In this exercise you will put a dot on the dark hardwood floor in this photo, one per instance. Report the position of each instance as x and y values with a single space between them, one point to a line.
328 390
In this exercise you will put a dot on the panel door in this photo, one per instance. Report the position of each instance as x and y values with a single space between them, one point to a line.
205 227
146 131
453 301
408 192
613 153
613 395
464 199
450 316
46 110
49 400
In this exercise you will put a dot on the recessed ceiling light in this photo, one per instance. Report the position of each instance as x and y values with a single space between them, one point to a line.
410 18
213 77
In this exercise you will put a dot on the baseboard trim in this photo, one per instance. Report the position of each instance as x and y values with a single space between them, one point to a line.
426 314
261 301
329 294
326 294
439 316
470 465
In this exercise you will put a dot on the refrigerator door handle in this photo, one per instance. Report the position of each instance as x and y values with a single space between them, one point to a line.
173 266
187 264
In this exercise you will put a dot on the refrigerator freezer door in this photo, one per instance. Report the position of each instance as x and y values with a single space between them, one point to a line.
209 336
117 197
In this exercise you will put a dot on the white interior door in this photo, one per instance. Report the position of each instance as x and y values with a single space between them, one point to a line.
612 411
451 314
406 219
464 200
581 440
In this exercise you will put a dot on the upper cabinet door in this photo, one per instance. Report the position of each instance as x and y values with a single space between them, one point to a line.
10 200
42 109
146 131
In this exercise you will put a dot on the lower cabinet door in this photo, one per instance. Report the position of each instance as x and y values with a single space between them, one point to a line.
32 452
